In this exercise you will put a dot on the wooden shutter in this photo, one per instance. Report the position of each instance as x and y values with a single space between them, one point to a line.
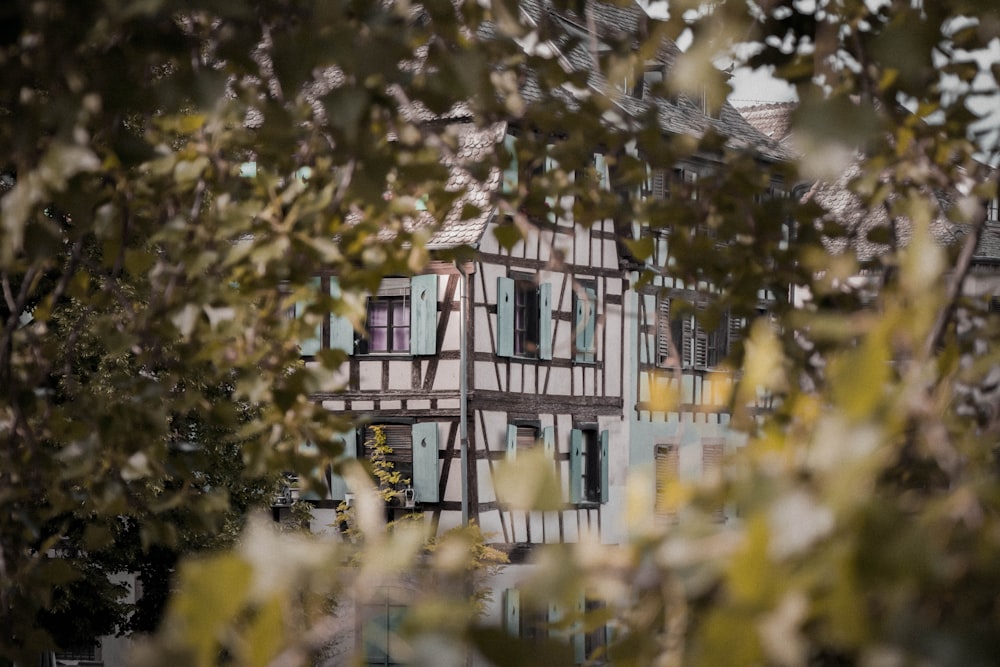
575 465
510 172
512 612
663 333
425 462
601 167
586 324
544 321
604 466
505 317
667 472
310 346
341 331
712 453
659 187
511 442
549 442
423 315
338 485
551 201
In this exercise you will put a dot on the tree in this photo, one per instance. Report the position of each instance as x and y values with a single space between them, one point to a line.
147 283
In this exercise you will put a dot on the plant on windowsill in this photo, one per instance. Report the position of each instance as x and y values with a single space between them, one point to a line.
390 483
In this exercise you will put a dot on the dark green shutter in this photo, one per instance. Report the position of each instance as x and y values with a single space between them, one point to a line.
423 315
505 317
575 465
338 485
341 331
545 321
425 462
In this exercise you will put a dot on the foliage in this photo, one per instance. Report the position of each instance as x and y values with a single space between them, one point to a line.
145 338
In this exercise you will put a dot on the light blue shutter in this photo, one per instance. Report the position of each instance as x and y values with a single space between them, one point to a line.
510 172
512 612
423 315
580 636
575 465
341 331
310 346
586 324
338 485
544 321
511 442
604 466
425 462
505 317
549 442
601 166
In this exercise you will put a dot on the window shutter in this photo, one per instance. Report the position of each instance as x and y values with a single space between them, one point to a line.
505 317
575 465
425 462
549 442
341 331
511 442
667 472
659 187
712 453
734 330
423 315
248 170
580 636
601 166
512 612
551 202
663 334
685 330
510 172
604 466
544 321
586 324
338 485
310 346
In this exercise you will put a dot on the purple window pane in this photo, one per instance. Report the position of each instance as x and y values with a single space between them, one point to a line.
378 314
401 339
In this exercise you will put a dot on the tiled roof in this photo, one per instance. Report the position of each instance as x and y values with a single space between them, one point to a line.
772 120
846 208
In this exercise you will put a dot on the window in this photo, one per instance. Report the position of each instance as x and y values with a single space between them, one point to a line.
414 455
387 322
588 466
993 210
668 461
682 341
524 318
538 624
522 437
401 318
585 323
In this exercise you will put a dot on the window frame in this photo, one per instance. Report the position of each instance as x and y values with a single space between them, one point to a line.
524 317
588 465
